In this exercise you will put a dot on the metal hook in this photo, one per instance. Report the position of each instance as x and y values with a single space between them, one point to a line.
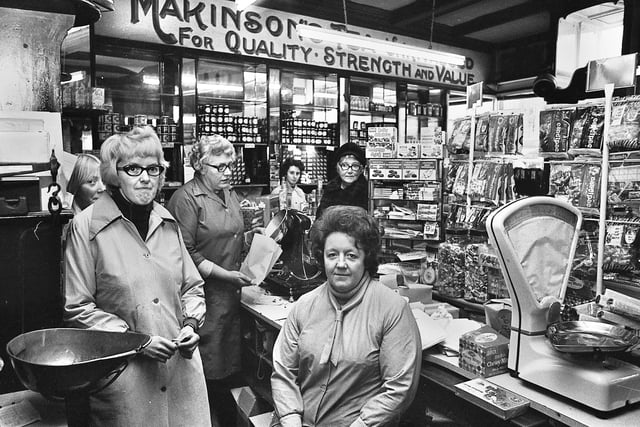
56 191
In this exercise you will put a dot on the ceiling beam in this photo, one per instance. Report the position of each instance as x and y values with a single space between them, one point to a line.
420 10
500 17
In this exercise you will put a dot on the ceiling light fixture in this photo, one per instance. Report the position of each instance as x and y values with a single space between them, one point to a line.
243 4
377 45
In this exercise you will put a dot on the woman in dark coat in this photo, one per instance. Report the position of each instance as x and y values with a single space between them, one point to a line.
349 187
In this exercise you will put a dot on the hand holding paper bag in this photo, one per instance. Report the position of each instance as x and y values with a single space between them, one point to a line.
263 254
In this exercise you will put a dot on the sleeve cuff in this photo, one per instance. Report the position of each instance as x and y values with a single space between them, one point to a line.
291 420
358 423
191 321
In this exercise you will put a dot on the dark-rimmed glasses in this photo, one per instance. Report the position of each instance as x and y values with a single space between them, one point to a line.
356 167
136 170
221 168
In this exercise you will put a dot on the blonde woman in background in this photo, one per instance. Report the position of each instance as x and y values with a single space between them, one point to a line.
208 211
85 182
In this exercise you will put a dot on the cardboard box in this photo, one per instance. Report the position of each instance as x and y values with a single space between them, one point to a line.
484 352
249 405
432 307
417 292
408 150
428 170
392 170
410 169
382 142
493 398
376 168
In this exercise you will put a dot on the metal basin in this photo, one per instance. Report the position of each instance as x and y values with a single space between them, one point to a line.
63 362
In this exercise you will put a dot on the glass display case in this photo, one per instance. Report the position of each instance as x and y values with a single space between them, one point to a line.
232 102
371 102
308 122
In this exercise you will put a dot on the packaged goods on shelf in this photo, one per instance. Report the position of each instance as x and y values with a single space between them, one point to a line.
459 139
578 184
217 119
382 142
493 398
482 133
432 142
587 129
451 267
410 169
431 231
484 352
624 131
555 130
408 150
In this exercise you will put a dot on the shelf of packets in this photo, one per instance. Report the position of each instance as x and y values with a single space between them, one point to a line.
492 181
402 169
410 230
411 201
495 134
569 131
383 143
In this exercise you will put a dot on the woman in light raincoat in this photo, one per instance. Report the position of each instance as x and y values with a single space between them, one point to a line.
127 269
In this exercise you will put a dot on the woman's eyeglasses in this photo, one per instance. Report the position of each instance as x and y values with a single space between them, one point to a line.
356 167
136 170
222 168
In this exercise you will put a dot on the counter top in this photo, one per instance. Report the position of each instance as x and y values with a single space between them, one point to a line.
19 407
542 401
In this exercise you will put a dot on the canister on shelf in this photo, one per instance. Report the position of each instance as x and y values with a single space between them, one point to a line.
451 264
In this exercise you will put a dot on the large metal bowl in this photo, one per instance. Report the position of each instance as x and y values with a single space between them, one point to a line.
66 362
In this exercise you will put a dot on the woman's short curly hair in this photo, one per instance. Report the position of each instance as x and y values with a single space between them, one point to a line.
353 221
210 145
287 163
139 142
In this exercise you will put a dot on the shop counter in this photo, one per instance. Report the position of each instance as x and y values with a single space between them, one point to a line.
443 372
26 406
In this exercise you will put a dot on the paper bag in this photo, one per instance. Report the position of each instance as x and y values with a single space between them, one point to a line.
263 254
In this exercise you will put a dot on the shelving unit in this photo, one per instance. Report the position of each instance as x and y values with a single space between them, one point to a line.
371 102
308 105
231 101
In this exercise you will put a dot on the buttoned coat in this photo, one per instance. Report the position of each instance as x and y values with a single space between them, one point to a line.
117 281
213 230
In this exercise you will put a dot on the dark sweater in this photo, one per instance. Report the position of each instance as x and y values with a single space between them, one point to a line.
138 215
354 195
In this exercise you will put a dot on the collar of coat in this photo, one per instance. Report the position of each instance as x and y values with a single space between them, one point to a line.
105 211
199 189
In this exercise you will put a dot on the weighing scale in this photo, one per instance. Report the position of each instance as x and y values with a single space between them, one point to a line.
535 239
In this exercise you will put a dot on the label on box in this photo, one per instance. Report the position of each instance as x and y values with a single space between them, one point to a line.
410 169
382 142
376 169
430 150
408 150
393 170
427 212
428 170
484 352
493 398
431 231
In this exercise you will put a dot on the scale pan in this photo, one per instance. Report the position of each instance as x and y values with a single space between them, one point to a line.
590 337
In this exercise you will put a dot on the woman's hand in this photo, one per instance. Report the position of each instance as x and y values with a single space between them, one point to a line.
187 341
239 279
160 349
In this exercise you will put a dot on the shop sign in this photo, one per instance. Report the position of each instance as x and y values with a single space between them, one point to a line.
216 26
